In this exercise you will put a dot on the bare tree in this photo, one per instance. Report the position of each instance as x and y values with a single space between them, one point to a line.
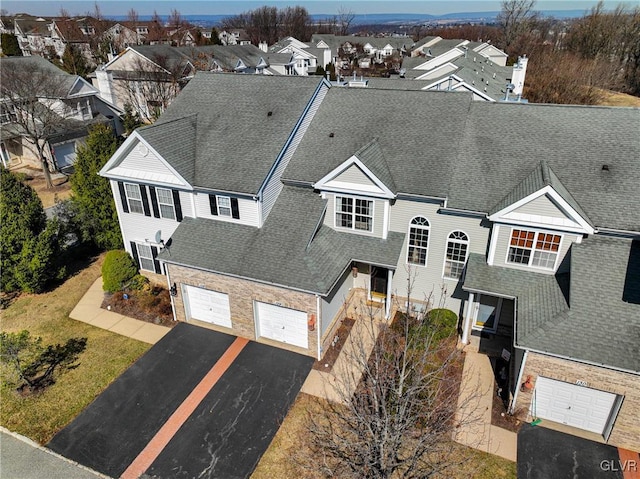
396 403
151 86
33 95
175 20
343 21
295 22
132 16
513 19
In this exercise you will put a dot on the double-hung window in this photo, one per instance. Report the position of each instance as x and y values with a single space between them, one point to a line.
533 248
134 198
165 203
224 206
354 213
145 257
418 241
456 255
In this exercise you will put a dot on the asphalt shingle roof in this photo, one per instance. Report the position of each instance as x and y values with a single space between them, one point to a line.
286 251
590 314
237 140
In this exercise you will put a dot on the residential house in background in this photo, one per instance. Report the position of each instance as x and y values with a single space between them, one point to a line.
79 107
270 222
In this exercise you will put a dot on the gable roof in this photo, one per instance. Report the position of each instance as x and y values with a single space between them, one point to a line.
540 177
64 82
242 124
591 314
287 251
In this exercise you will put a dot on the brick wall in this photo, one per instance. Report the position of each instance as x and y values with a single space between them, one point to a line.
626 429
242 293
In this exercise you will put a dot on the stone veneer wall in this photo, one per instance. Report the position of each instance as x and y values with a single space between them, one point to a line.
626 429
242 293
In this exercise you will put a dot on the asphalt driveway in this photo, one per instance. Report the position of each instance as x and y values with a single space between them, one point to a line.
225 430
545 454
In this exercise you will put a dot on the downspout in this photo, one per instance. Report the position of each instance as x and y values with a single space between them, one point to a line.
319 324
171 297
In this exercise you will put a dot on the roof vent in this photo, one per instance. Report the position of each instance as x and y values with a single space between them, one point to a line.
331 135
605 167
269 113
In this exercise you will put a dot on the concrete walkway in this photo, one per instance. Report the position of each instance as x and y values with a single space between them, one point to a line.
89 311
474 409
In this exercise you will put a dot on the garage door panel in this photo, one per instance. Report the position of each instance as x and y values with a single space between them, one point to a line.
571 404
282 324
208 306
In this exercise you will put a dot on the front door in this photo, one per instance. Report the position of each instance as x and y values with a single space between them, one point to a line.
487 313
379 279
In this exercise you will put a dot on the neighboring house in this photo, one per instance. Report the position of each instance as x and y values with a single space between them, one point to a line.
35 35
460 65
79 32
266 203
234 37
304 57
148 77
79 108
375 49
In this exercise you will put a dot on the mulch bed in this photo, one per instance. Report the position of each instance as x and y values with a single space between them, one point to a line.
330 357
151 307
499 415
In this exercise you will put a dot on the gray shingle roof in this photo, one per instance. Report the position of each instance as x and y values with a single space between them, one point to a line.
236 141
541 176
278 252
372 157
63 83
594 316
500 144
415 136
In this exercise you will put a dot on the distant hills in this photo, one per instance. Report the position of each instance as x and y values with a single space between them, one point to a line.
383 18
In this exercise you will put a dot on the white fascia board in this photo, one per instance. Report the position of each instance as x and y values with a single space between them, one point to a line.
118 156
322 184
89 85
584 227
440 59
440 80
461 85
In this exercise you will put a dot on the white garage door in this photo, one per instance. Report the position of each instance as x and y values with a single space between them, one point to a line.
281 324
209 306
573 405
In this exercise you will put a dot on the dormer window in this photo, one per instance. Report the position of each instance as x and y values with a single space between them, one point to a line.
354 213
533 248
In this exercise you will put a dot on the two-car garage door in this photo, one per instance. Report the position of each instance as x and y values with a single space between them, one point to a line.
574 405
281 324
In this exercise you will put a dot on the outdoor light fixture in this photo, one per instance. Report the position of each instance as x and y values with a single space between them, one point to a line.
173 290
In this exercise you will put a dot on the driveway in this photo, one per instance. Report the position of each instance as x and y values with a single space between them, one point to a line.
544 454
198 404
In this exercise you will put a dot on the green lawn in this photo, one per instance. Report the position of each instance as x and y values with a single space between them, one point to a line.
107 355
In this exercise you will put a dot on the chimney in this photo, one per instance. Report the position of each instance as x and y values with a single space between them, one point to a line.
263 46
519 73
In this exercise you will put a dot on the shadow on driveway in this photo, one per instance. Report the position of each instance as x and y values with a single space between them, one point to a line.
547 454
224 437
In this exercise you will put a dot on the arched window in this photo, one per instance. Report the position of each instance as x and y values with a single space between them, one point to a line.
418 241
456 255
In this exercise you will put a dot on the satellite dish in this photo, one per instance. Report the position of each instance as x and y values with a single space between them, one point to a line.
510 86
159 237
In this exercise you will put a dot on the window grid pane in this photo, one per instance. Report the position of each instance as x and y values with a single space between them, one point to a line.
418 241
134 198
548 242
224 206
145 257
165 202
519 255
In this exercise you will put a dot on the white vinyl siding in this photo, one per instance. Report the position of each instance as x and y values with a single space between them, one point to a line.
541 206
332 304
273 186
355 176
427 280
143 165
134 198
247 208
145 257
165 203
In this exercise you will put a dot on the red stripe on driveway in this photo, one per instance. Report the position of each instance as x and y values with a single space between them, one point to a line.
151 452
629 463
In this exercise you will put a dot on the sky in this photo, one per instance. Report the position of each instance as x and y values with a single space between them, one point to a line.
232 7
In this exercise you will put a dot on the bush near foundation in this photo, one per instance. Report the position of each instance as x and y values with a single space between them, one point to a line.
118 269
